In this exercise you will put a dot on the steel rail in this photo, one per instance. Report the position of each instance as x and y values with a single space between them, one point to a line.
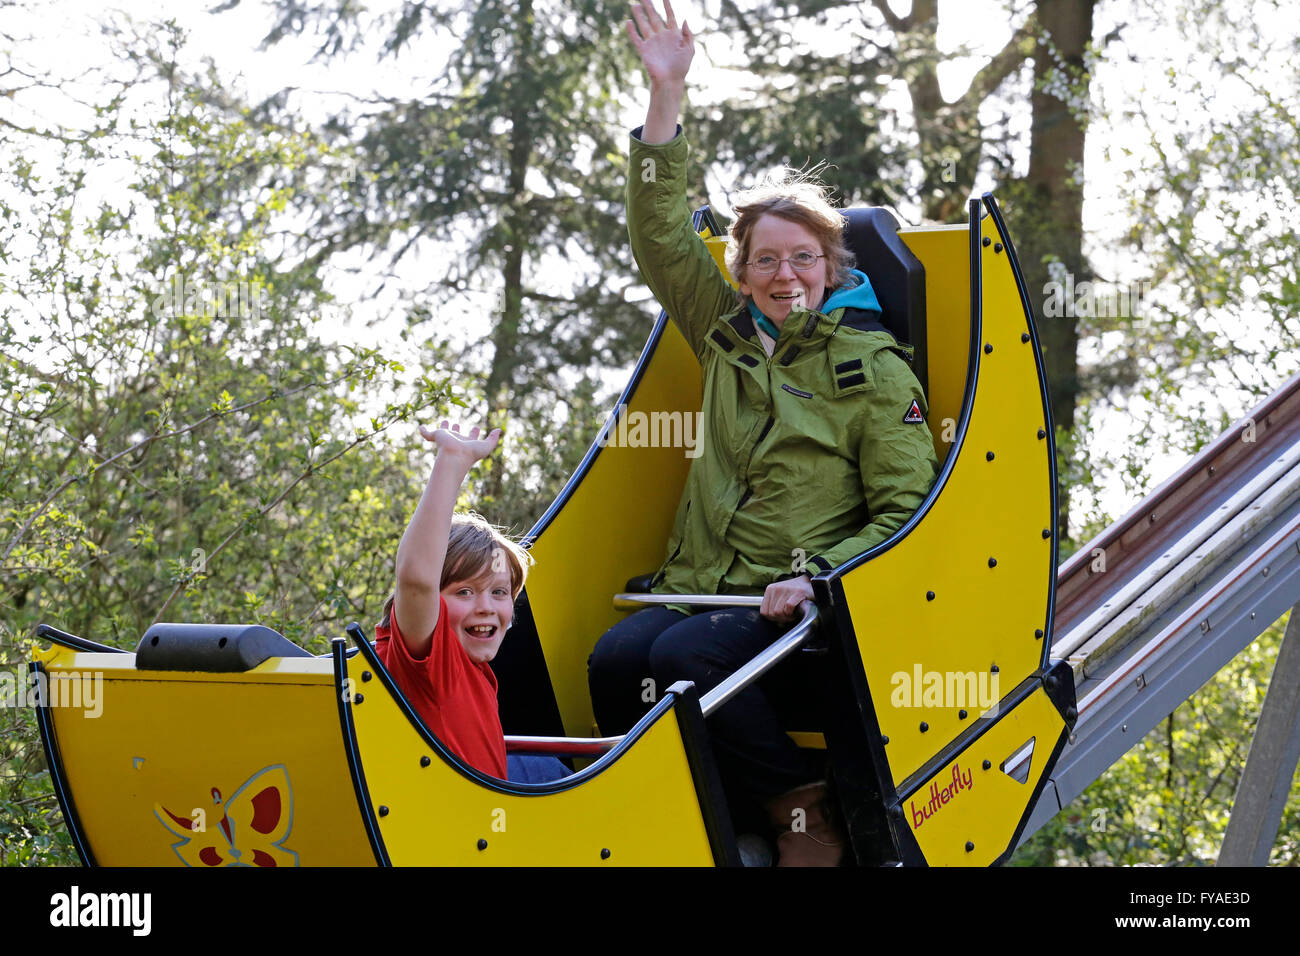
1187 622
1283 471
562 746
1175 656
625 601
1211 559
757 666
762 663
1216 566
1189 576
1161 518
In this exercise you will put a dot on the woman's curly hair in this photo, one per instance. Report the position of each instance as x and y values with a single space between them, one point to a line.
798 197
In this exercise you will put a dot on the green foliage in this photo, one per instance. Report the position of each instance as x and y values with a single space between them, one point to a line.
176 442
1209 205
822 83
511 155
1209 208
545 437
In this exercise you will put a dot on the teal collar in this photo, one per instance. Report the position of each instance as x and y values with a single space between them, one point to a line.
854 294
763 322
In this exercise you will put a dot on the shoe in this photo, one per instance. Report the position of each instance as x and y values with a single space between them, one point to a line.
810 831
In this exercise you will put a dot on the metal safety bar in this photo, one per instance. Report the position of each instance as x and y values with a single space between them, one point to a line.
762 662
625 601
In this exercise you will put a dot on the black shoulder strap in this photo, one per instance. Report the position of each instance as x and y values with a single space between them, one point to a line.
864 320
743 322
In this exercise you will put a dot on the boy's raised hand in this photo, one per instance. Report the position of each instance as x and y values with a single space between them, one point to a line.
665 50
470 448
423 547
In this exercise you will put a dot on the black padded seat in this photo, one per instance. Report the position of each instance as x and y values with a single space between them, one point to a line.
211 648
896 275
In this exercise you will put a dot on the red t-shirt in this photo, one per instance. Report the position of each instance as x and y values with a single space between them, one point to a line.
454 696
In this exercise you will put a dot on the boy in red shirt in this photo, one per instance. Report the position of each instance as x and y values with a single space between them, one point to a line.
457 580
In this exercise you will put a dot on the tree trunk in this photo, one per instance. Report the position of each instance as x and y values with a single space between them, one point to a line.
514 225
949 135
1053 216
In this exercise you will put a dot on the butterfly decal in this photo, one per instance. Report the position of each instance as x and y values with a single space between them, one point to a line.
250 826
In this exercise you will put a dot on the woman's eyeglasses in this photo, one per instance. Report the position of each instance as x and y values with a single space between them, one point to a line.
799 262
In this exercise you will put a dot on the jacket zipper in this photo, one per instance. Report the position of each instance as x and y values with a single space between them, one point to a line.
663 572
771 419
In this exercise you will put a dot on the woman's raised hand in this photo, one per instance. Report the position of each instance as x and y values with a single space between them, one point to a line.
665 50
470 448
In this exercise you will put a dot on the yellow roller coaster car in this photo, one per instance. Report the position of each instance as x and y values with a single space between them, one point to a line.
215 745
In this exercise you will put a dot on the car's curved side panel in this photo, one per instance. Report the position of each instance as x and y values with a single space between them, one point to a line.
653 801
951 618
168 767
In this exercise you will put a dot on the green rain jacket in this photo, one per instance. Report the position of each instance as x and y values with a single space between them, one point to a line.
809 457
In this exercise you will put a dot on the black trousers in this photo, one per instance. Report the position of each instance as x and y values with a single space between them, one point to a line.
639 658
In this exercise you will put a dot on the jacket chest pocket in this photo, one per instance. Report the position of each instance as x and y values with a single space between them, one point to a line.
807 417
849 368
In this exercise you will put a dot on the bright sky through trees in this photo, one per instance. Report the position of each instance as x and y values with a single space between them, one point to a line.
1143 66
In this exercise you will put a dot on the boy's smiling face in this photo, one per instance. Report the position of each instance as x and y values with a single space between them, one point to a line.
478 613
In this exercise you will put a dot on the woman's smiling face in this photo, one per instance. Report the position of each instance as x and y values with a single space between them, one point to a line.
777 294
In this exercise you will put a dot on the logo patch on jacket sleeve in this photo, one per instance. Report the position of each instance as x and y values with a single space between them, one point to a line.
914 416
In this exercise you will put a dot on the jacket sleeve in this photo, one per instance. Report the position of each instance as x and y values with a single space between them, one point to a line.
896 459
673 259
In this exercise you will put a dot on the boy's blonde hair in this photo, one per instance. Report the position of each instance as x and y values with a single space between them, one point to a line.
476 548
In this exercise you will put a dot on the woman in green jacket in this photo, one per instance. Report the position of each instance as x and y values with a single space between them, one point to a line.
814 449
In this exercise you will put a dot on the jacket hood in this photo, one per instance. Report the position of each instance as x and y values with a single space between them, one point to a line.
854 294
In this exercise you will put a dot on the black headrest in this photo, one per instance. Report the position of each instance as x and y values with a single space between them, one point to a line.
212 648
896 275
